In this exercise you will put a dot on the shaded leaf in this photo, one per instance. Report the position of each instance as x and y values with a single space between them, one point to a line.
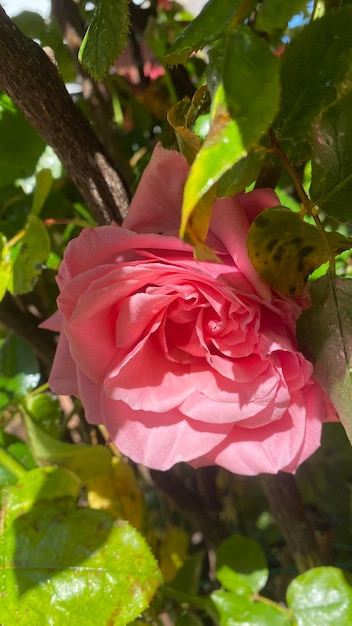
19 369
79 564
20 144
105 38
206 28
274 15
331 187
323 596
325 336
240 175
285 250
315 72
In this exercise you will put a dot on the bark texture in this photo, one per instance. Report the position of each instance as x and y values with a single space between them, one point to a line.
33 82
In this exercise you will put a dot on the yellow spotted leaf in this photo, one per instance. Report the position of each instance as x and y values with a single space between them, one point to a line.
285 250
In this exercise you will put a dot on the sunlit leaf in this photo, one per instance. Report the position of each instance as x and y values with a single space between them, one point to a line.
325 337
5 266
322 595
251 92
187 140
241 565
33 252
240 610
285 250
106 37
38 486
84 460
79 564
251 83
44 181
118 492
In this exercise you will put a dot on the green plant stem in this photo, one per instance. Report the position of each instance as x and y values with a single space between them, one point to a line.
8 461
290 515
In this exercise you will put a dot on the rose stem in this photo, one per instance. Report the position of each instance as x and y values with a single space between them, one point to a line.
290 515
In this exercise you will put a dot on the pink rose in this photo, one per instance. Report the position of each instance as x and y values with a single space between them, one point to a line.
184 360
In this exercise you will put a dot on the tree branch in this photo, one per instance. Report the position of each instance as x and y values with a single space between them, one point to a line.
291 517
32 80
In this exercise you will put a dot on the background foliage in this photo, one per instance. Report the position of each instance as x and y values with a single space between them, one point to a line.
86 536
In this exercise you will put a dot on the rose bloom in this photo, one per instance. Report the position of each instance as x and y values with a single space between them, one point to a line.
184 360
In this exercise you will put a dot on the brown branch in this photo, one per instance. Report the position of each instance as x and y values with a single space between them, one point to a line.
32 80
291 517
96 95
25 324
191 505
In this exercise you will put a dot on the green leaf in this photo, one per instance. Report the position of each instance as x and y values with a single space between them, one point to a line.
33 252
240 175
331 186
240 610
84 460
274 15
20 144
206 28
241 565
253 103
19 369
106 37
188 577
325 336
323 596
45 409
78 564
44 181
315 72
38 486
285 250
5 266
251 83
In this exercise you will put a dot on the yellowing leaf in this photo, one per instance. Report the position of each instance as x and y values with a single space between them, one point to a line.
118 492
188 142
182 115
172 552
194 226
285 250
